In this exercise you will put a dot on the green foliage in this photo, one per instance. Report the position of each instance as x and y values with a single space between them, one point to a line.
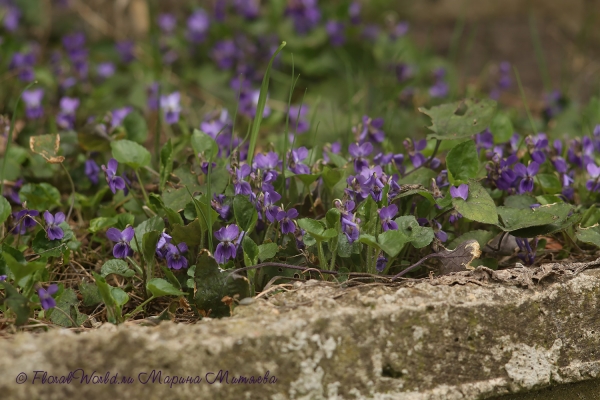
460 119
130 153
117 267
479 206
166 164
152 224
46 248
204 145
463 162
67 302
251 251
159 287
212 285
589 235
136 127
245 213
482 237
114 299
502 128
316 229
418 236
17 303
267 251
392 242
40 196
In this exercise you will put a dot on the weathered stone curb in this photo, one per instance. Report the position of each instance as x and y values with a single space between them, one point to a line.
421 341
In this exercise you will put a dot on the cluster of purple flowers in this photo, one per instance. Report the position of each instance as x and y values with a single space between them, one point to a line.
25 219
22 64
305 14
507 174
440 87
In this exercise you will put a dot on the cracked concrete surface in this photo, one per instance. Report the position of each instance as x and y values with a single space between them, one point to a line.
473 335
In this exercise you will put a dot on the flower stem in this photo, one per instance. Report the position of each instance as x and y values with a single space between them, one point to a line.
139 308
146 199
72 191
322 261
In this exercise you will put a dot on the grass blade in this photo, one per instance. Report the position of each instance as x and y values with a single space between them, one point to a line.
260 107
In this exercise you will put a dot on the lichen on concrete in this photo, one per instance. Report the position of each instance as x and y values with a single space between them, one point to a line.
476 334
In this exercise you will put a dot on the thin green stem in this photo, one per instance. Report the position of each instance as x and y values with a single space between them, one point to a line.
72 191
139 308
260 107
322 261
333 257
524 100
539 53
146 199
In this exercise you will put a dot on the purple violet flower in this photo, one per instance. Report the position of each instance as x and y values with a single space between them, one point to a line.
335 30
484 140
370 130
227 249
33 103
381 263
114 182
286 220
125 49
359 153
92 170
461 192
23 64
12 192
45 296
118 115
304 13
11 18
224 53
527 251
386 214
399 30
171 107
350 228
526 174
197 25
593 185
66 117
153 101
24 219
440 87
271 210
105 70
54 231
163 240
298 122
240 186
122 248
175 259
297 156
218 205
354 12
414 151
248 8
249 103
167 23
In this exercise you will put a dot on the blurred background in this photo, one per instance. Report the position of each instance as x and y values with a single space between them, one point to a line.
482 32
379 58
